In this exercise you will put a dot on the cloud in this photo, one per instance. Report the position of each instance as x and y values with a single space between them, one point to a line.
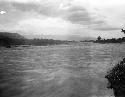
2 12
74 14
25 6
81 16
21 10
23 1
43 7
16 12
78 15
48 26
44 16
11 16
106 28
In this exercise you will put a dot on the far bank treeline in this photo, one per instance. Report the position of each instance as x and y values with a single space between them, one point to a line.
15 39
112 40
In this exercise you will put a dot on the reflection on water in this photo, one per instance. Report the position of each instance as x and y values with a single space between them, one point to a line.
76 70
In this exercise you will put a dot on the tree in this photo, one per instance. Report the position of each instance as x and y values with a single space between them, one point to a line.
99 38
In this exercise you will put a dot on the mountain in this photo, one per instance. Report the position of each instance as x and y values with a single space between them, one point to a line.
7 39
11 35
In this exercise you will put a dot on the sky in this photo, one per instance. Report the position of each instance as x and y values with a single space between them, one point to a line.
63 19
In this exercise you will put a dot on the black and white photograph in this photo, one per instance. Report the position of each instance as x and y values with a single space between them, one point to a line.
62 48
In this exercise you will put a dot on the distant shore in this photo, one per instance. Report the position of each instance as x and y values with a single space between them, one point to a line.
112 40
9 40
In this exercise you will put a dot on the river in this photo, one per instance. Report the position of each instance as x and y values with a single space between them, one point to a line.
74 70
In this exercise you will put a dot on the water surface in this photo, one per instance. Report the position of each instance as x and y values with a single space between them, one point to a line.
75 70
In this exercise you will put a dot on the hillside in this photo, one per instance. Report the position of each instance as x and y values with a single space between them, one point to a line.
9 39
14 39
11 35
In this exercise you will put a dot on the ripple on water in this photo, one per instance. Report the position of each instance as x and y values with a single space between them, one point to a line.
58 71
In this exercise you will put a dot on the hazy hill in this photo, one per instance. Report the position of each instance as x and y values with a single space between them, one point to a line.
11 35
15 39
8 39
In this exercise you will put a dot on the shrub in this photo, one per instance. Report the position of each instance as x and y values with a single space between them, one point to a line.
116 79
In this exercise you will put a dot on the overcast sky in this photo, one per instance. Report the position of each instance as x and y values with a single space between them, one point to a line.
89 18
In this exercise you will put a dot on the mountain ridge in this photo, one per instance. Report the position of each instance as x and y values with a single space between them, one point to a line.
11 35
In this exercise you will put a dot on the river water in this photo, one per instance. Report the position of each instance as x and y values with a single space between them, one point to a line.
74 70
